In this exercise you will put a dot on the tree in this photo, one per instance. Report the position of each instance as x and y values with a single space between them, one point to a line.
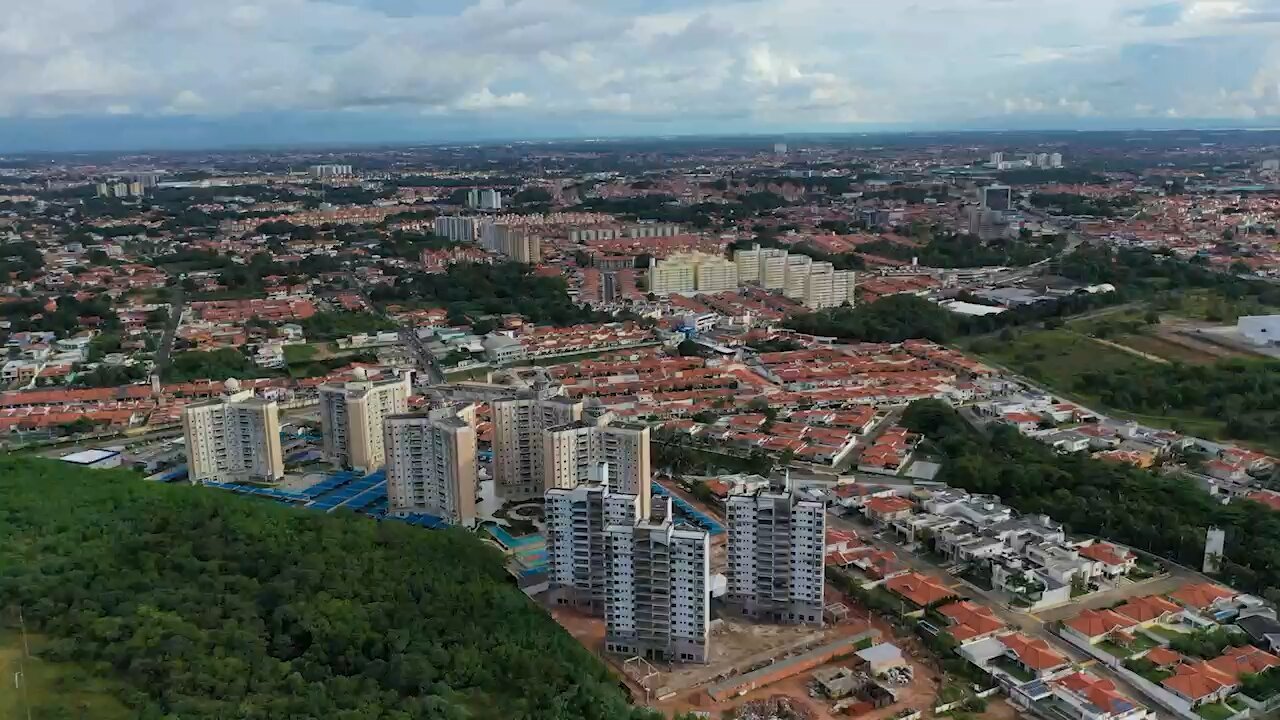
689 348
200 604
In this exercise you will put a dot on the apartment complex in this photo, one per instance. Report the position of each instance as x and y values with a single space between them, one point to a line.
575 452
776 556
815 284
351 417
514 242
518 445
657 603
431 463
576 522
234 437
457 228
693 272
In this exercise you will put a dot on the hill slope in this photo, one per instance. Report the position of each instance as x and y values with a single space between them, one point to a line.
198 604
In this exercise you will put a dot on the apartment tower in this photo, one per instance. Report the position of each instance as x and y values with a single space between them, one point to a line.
234 437
776 556
431 463
657 603
518 445
573 453
352 414
576 520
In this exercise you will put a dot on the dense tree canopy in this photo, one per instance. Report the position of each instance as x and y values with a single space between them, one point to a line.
962 251
470 289
334 325
200 604
1243 393
1164 514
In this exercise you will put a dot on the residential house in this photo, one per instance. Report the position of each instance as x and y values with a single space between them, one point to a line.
970 621
882 511
920 590
1093 626
1033 655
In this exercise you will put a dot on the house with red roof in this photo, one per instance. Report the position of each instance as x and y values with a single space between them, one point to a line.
1095 698
1199 684
970 621
1201 596
883 510
1093 626
919 590
1110 560
1032 655
1149 610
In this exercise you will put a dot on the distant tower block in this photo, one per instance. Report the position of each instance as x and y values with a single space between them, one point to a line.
1214 541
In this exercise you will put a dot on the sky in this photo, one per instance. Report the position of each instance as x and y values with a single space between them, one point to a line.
111 74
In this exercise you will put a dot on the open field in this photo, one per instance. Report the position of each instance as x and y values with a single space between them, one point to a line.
1058 359
53 689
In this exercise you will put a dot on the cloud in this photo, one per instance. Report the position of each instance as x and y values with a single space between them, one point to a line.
685 65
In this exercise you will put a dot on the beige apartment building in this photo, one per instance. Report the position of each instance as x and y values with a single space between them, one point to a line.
352 415
577 452
235 437
514 242
431 463
518 450
693 272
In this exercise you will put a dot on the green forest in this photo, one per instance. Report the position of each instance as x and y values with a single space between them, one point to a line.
191 603
1162 514
895 318
1245 394
473 289
965 251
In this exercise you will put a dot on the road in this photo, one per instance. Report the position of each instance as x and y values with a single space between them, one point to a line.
1035 625
165 351
408 335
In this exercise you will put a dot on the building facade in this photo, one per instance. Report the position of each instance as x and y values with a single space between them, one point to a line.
576 520
431 464
235 437
457 228
573 453
777 545
351 418
693 272
657 602
518 451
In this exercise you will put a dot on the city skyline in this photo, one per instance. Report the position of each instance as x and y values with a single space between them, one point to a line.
137 74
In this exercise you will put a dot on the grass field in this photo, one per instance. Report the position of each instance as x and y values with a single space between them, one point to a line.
54 690
1171 351
1058 358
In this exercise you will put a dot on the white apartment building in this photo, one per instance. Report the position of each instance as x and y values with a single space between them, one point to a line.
234 437
484 199
431 463
773 268
518 450
516 243
777 545
351 418
652 230
657 600
748 262
457 228
576 520
798 268
693 272
574 453
330 171
826 287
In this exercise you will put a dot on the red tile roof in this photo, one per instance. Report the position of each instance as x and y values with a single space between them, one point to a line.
1143 609
919 589
1034 653
1094 623
970 620
1200 595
